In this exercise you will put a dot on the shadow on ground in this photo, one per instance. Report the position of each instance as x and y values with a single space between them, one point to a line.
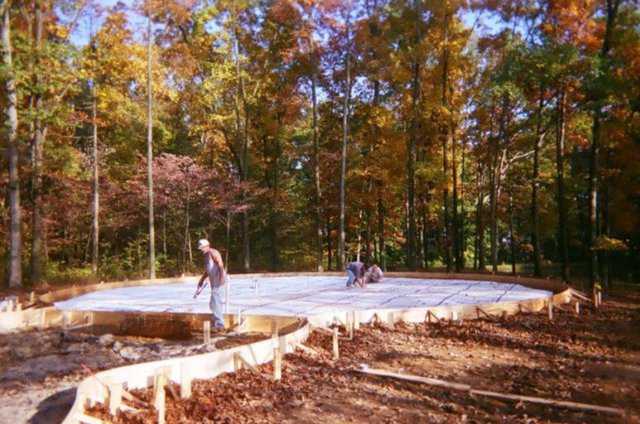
54 408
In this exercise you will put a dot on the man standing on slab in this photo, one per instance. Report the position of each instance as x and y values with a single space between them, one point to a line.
214 270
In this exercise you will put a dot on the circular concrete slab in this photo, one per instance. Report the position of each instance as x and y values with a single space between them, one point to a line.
303 295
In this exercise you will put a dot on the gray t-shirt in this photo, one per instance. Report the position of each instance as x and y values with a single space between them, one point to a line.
357 268
216 274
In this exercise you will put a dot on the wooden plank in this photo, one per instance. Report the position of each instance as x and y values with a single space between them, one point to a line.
413 378
553 402
88 419
467 388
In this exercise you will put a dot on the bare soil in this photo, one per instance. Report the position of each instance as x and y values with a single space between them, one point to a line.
591 358
40 369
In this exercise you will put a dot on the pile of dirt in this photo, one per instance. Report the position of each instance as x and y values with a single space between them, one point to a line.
592 358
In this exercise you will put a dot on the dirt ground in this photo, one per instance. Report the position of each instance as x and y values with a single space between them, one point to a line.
592 358
40 369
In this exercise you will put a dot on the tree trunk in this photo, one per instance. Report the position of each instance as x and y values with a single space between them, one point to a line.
316 175
36 154
455 231
478 260
345 137
187 241
612 11
227 238
381 245
244 165
535 184
95 206
461 216
445 142
562 207
512 239
425 233
411 159
152 242
329 246
14 275
164 232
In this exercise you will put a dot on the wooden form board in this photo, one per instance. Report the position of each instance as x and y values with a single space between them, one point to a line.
204 366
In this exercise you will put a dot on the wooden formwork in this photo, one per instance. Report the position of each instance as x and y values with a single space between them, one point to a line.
288 332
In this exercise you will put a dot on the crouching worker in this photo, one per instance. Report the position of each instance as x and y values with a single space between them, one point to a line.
214 271
355 274
373 275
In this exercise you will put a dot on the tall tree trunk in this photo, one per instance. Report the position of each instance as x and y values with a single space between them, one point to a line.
227 238
562 207
455 231
187 225
95 205
512 239
445 144
606 230
381 244
316 174
244 165
36 147
274 215
164 232
612 12
343 164
152 242
461 216
493 200
478 259
411 160
14 274
535 184
425 232
329 245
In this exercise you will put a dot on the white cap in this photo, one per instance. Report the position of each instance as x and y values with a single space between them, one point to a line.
202 243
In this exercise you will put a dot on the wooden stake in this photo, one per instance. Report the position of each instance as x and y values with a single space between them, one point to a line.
32 297
351 323
159 396
115 398
206 330
577 307
599 298
336 350
550 310
277 364
185 381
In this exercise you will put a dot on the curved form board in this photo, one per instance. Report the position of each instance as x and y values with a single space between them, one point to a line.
292 330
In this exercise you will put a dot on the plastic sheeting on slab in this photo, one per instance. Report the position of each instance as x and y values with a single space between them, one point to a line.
303 295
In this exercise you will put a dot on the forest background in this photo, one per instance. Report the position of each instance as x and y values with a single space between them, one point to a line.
500 136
